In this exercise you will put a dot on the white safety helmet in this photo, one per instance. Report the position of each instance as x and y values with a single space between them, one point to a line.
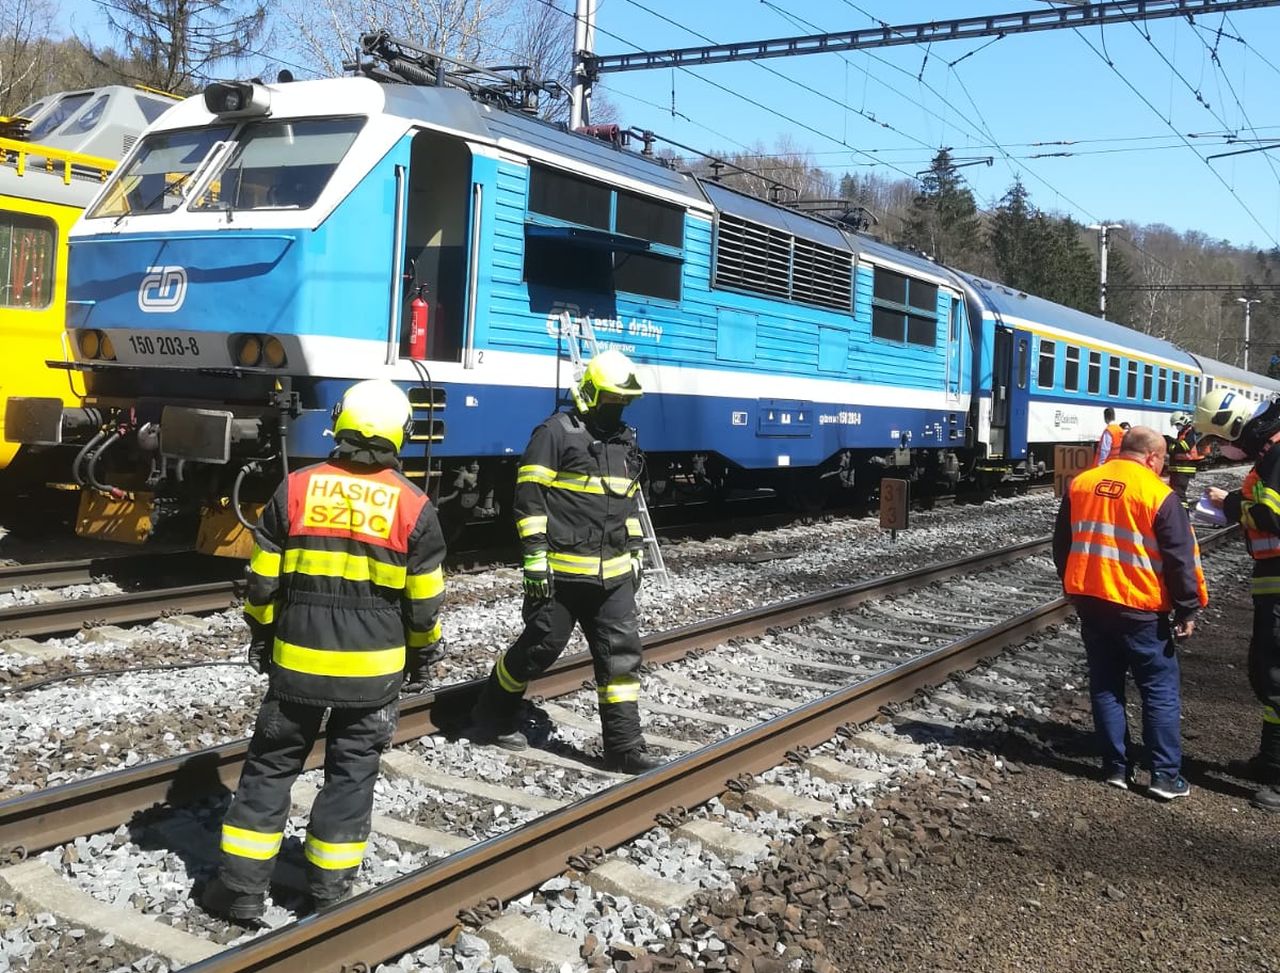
1223 413
1180 419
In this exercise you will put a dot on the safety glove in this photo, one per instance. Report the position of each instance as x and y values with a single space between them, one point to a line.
637 568
537 576
258 654
417 665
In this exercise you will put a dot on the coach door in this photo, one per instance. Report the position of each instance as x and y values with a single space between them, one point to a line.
1010 392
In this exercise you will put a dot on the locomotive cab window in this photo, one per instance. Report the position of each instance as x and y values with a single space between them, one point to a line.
1048 352
586 236
155 179
280 164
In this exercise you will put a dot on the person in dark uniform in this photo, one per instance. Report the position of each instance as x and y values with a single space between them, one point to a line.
343 604
1184 458
577 514
1248 430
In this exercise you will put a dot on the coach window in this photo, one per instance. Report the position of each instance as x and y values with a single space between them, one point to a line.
1113 377
587 236
1132 383
1024 362
1095 373
1163 387
1147 371
1048 352
26 260
1186 389
1175 387
1071 374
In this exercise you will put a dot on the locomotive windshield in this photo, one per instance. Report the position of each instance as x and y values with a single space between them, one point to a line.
154 179
280 164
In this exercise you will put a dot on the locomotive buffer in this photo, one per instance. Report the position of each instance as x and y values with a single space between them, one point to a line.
576 334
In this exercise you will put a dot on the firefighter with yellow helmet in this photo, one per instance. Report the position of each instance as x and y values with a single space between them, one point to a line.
343 603
577 515
1249 430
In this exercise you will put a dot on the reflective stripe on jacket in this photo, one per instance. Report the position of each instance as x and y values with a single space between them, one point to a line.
1108 444
576 499
1183 455
1128 541
345 573
1256 507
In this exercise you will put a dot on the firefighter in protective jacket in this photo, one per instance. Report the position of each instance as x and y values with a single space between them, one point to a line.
343 605
1184 457
577 515
1248 430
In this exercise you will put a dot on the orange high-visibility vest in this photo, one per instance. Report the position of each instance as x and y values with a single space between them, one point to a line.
1262 544
1117 434
1114 555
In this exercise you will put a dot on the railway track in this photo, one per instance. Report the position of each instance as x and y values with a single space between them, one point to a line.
840 662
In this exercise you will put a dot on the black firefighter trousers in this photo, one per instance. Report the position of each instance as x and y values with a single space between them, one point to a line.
608 619
1264 676
339 827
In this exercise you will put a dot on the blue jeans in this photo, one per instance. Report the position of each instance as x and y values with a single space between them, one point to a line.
1119 641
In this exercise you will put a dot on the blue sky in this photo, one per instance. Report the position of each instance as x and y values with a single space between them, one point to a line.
1128 162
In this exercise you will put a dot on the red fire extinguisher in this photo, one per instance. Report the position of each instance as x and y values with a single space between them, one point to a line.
418 324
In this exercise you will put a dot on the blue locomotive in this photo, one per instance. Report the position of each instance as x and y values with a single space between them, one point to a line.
264 246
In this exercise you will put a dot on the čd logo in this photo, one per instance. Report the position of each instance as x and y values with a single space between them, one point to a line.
1111 489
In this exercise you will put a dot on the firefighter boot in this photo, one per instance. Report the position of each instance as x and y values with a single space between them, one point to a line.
494 718
637 760
1268 796
242 908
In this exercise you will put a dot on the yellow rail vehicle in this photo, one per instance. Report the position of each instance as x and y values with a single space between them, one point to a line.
54 157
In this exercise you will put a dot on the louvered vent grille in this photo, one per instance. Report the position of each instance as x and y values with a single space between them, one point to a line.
761 259
127 144
821 275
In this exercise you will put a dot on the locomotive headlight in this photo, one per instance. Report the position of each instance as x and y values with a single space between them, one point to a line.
248 350
106 349
273 353
237 99
90 343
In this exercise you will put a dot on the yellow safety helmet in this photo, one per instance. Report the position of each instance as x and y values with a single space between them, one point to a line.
610 371
375 408
1223 413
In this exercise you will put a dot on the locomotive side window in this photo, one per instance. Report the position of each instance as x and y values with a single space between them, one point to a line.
1133 380
1113 377
26 260
904 309
154 180
632 243
1048 352
281 165
1071 374
1095 372
62 109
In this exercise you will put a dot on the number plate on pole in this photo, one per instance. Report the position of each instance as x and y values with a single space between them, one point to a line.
1067 462
895 497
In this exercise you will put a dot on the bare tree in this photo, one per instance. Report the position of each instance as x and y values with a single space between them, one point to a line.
174 43
22 51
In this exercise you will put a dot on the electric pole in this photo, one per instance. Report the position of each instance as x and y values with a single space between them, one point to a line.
1248 303
584 45
1104 233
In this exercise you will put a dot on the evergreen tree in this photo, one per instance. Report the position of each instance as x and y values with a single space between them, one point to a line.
943 221
1012 237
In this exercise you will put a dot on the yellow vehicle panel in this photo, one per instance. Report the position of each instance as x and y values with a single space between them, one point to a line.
33 297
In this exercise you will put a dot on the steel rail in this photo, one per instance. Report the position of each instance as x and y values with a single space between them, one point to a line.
51 574
71 614
396 918
48 817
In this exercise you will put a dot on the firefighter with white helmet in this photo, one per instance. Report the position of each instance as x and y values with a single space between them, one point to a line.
577 514
1249 430
343 602
1184 457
